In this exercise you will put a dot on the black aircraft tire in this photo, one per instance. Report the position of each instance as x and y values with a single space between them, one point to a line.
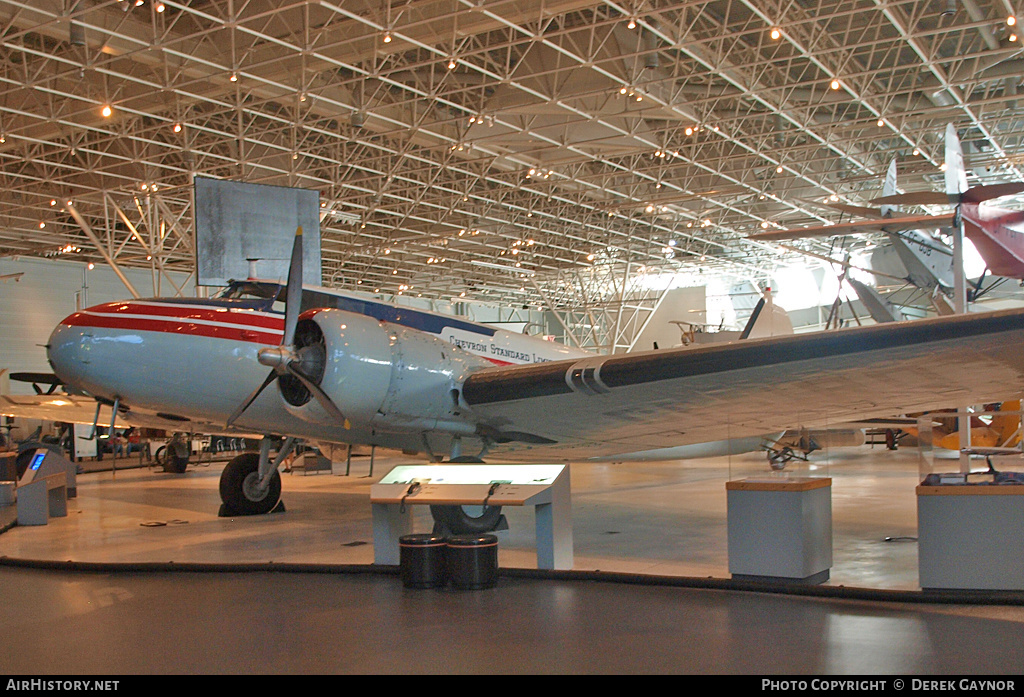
459 522
233 486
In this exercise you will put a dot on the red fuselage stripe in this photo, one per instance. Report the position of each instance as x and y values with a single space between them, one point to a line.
180 326
185 312
247 327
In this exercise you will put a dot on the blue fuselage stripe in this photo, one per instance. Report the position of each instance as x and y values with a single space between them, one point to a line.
311 299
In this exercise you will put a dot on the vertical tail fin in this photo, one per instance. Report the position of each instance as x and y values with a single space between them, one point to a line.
767 319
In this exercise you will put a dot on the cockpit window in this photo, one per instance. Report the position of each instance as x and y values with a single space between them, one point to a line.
250 289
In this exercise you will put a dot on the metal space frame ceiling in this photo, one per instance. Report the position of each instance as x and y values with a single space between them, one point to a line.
521 152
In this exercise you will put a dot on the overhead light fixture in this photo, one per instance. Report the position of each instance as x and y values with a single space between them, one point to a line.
233 77
451 64
778 170
1011 20
177 128
160 7
881 123
776 33
387 37
1013 37
834 84
106 111
632 23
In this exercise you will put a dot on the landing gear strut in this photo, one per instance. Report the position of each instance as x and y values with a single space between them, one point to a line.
251 484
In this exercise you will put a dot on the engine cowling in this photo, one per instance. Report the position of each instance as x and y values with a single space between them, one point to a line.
379 375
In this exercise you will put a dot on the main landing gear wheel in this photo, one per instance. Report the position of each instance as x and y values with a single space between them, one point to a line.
239 487
466 520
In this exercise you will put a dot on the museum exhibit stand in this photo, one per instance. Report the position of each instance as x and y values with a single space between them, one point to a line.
543 486
970 514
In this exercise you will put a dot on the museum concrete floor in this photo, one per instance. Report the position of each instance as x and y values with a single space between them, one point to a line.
650 591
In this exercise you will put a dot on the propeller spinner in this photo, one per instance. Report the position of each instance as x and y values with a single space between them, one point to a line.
286 359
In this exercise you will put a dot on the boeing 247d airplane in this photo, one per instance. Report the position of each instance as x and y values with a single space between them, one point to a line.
371 374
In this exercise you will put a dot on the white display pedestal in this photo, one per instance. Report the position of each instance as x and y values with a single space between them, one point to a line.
971 537
780 530
546 487
41 499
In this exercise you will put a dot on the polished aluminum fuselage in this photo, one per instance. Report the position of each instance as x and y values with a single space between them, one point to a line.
198 360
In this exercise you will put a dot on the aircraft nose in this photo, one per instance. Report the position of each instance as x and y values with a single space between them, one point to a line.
68 354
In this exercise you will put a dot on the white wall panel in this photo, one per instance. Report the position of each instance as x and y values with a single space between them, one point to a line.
45 294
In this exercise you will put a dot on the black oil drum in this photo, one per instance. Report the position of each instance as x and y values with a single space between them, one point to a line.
422 560
473 561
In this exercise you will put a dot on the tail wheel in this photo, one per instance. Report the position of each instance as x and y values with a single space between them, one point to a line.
239 486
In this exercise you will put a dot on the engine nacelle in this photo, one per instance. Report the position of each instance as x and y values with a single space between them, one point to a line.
382 376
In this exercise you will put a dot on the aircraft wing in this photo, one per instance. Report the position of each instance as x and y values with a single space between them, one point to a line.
82 410
907 222
633 402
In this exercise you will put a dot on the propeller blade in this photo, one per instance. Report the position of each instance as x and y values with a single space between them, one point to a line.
919 198
252 398
985 192
319 394
293 292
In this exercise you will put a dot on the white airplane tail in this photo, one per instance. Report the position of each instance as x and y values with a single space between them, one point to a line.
767 319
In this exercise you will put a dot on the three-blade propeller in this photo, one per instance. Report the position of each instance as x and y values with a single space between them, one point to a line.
285 359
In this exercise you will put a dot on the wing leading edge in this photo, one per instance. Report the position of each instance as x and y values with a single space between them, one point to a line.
617 404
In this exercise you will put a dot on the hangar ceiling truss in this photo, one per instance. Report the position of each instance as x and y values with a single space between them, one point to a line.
558 140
